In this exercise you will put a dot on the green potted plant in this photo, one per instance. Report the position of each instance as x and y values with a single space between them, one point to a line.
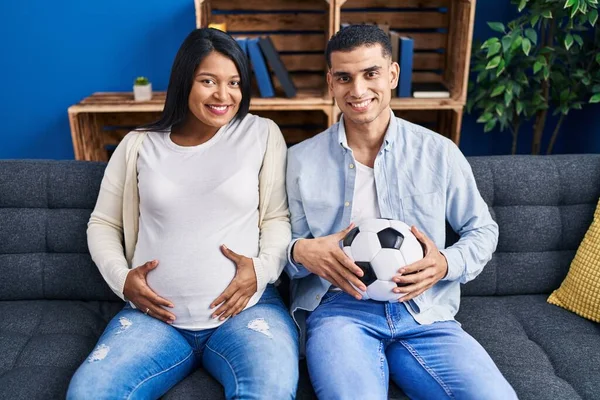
142 89
545 60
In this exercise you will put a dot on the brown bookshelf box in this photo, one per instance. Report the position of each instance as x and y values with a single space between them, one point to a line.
299 30
442 30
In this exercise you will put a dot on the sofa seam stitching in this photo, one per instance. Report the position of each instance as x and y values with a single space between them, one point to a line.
39 323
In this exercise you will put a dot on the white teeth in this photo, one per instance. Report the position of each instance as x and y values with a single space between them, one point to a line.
361 105
223 108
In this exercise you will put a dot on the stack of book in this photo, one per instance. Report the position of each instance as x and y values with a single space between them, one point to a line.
262 55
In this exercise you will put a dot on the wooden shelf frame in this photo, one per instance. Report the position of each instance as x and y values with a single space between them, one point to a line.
101 119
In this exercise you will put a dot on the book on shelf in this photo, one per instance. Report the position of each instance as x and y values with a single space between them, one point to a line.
243 43
405 56
274 61
259 66
430 90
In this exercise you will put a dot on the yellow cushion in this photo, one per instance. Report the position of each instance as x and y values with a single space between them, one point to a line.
580 291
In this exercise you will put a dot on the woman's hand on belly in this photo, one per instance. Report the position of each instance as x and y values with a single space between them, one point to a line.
138 292
237 294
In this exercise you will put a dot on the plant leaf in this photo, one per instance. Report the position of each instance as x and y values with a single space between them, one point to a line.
569 3
593 17
494 62
579 40
522 5
575 9
595 98
489 125
498 91
485 117
516 43
522 78
568 41
508 96
537 66
501 67
489 42
506 42
493 49
526 46
497 26
519 107
531 34
547 14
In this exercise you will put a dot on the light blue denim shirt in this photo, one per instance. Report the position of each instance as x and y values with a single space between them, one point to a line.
421 178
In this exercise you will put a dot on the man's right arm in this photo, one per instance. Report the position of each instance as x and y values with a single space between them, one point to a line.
298 221
320 256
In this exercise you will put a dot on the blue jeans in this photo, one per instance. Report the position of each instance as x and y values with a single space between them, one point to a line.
253 355
353 348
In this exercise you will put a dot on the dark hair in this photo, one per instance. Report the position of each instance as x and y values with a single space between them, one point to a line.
353 36
194 49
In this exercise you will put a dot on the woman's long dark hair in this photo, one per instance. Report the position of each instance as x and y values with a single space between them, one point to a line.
196 46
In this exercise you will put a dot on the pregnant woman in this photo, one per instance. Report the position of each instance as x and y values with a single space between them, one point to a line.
190 229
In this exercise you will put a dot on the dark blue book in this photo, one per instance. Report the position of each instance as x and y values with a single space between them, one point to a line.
243 43
405 59
282 74
261 73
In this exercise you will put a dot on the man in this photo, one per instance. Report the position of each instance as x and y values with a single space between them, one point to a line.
369 165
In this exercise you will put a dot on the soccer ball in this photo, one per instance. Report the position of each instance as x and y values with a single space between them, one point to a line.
380 247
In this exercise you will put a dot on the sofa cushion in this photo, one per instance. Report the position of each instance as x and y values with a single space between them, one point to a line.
580 291
44 210
543 206
542 350
43 343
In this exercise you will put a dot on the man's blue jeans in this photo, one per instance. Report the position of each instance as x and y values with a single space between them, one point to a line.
253 355
354 347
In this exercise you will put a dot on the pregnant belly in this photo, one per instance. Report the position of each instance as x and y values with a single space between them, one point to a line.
191 288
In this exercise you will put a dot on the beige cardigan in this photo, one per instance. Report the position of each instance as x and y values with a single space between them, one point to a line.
113 226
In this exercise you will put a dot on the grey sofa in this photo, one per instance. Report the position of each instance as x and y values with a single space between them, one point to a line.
54 304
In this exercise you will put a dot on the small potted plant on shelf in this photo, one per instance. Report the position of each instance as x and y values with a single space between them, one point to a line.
142 89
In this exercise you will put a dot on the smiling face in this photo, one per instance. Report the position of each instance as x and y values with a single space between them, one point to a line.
361 81
216 93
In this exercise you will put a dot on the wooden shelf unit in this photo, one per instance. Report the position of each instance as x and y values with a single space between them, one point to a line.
442 30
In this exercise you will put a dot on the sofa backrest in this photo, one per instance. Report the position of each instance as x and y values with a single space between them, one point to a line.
44 210
543 206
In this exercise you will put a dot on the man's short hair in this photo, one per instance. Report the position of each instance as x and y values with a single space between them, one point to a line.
353 36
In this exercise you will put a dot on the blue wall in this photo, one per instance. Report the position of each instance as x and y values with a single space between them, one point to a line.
61 51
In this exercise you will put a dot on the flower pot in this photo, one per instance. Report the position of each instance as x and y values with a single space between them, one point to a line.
142 92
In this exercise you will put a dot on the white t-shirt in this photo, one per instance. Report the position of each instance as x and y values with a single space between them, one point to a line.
192 200
365 195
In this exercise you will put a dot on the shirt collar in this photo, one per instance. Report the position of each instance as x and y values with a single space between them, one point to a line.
388 139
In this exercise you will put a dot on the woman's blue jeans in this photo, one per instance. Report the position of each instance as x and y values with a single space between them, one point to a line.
253 355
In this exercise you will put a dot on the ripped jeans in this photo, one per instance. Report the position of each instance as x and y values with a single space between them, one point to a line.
253 355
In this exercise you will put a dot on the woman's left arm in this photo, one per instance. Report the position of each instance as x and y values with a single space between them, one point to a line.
275 229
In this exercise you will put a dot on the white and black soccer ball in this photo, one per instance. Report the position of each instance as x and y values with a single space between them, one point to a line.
380 247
